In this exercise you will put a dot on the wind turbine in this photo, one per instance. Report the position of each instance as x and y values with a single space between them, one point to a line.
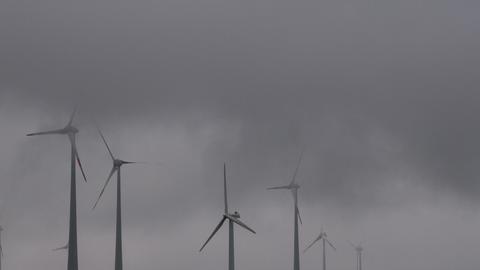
1 248
232 218
71 132
293 187
323 237
358 249
117 164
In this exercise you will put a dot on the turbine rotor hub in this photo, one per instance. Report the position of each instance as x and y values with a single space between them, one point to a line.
295 186
71 130
117 163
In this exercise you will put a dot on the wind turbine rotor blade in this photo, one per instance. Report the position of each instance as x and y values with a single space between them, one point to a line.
280 187
141 163
225 188
104 186
313 243
105 142
134 162
297 211
72 116
56 131
331 244
150 163
299 217
77 157
60 248
81 167
213 233
296 169
351 244
241 224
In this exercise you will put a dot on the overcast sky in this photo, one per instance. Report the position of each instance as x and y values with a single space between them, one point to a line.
383 95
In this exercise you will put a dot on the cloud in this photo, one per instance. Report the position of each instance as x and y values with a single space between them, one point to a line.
382 94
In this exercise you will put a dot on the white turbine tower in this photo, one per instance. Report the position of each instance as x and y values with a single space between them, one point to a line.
71 132
293 187
323 237
232 218
358 250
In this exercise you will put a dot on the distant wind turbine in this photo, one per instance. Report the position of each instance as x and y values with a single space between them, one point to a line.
293 187
1 248
117 164
358 249
323 237
71 132
232 218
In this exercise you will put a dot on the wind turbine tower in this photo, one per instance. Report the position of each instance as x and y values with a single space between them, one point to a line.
232 218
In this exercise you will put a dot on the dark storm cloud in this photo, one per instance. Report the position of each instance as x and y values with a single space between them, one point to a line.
382 94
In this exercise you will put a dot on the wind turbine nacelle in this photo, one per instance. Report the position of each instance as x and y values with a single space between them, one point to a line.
236 214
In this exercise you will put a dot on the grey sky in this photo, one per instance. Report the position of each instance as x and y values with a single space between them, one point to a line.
383 95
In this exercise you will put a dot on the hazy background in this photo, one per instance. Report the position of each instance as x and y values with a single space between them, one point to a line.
383 94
